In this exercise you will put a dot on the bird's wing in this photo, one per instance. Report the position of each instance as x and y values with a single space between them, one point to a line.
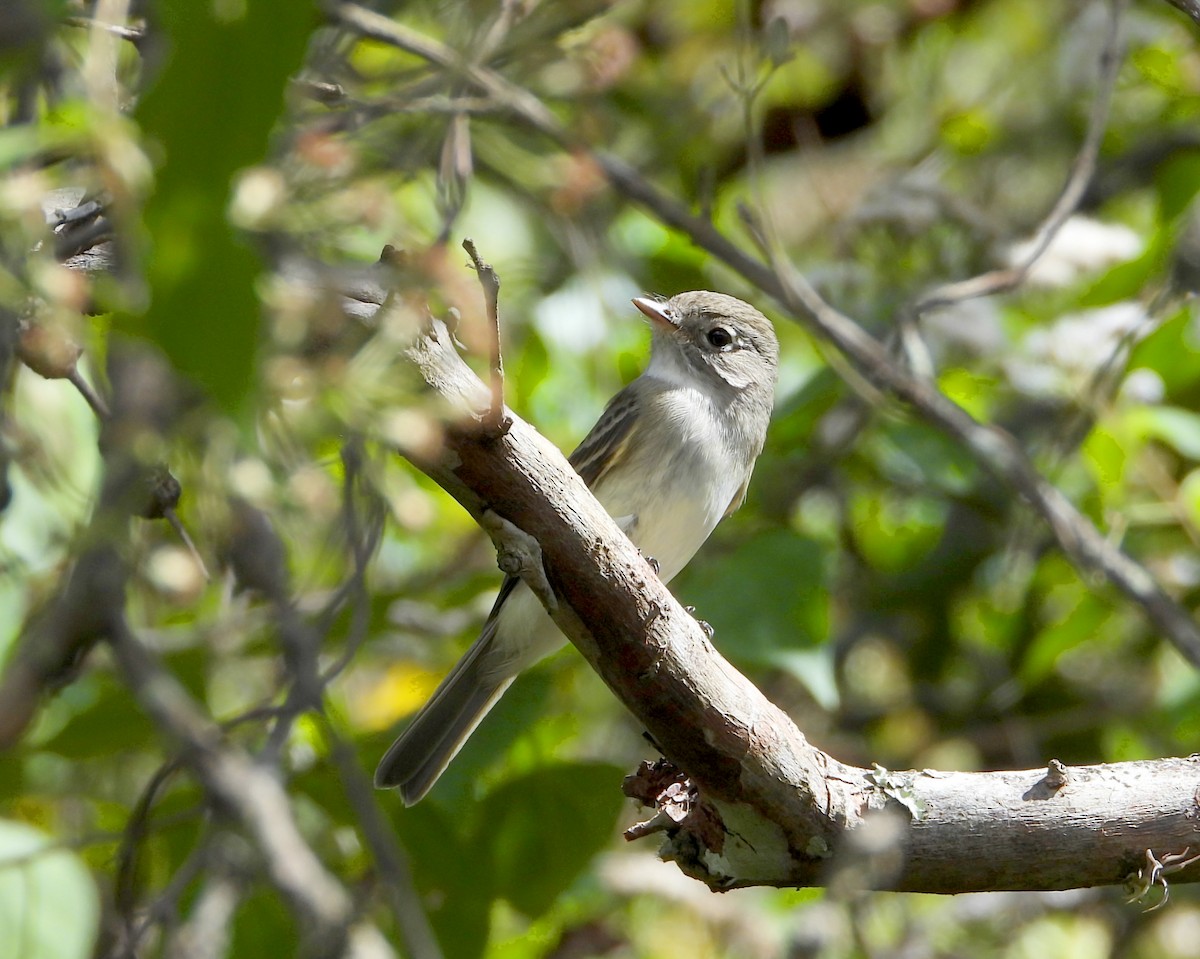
738 498
510 583
605 445
595 456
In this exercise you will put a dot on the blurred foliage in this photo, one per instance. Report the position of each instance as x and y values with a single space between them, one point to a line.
897 601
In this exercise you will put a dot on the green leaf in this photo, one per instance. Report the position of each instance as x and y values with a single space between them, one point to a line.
1170 351
767 596
211 110
894 531
49 907
262 926
113 724
1125 280
1189 496
532 370
1078 618
968 132
915 455
1178 428
1178 180
544 827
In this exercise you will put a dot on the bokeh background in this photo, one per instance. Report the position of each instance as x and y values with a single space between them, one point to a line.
251 160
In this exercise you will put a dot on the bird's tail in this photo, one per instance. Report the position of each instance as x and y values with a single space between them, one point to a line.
438 731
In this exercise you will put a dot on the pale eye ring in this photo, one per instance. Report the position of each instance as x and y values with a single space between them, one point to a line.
719 337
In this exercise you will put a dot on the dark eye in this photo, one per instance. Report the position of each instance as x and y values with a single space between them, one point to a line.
719 337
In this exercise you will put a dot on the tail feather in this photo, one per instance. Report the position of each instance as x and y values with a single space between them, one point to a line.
438 731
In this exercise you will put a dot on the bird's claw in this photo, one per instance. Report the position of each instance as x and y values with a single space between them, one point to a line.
709 632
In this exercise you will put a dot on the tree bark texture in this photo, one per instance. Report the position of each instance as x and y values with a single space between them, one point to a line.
763 805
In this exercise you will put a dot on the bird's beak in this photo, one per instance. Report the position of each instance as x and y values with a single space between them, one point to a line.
657 311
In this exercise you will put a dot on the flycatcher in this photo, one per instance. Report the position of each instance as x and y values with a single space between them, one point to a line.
669 458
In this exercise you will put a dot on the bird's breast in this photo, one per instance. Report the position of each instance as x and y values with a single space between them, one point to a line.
676 483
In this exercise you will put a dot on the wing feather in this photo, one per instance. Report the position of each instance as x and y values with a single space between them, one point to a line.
604 446
738 498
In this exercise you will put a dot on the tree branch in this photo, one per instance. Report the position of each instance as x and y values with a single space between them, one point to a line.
992 447
1078 179
771 808
245 789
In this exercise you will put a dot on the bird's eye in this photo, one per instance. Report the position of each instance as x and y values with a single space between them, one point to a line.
719 337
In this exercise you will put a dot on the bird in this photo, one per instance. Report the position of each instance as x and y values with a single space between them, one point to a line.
669 458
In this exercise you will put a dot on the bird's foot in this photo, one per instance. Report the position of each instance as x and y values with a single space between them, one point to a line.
708 630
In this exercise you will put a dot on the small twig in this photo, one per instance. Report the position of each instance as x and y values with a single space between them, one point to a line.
863 388
659 822
518 554
181 531
496 422
134 35
80 235
322 91
380 838
89 393
207 931
1080 175
993 448
362 544
1155 873
137 826
166 903
57 640
301 644
1056 775
243 788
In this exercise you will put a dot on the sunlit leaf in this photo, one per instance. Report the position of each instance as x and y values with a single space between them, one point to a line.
49 907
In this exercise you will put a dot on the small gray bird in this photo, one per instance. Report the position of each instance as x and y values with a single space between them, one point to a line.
669 458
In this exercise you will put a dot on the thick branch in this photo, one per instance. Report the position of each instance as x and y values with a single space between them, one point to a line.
776 810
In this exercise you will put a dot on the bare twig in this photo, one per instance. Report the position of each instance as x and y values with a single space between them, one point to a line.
134 35
89 393
490 282
995 449
247 790
53 354
362 544
206 933
518 554
385 848
1080 175
80 235
1155 872
54 645
137 826
163 910
300 642
181 531
259 559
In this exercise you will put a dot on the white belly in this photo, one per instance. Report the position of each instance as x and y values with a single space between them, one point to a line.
667 505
